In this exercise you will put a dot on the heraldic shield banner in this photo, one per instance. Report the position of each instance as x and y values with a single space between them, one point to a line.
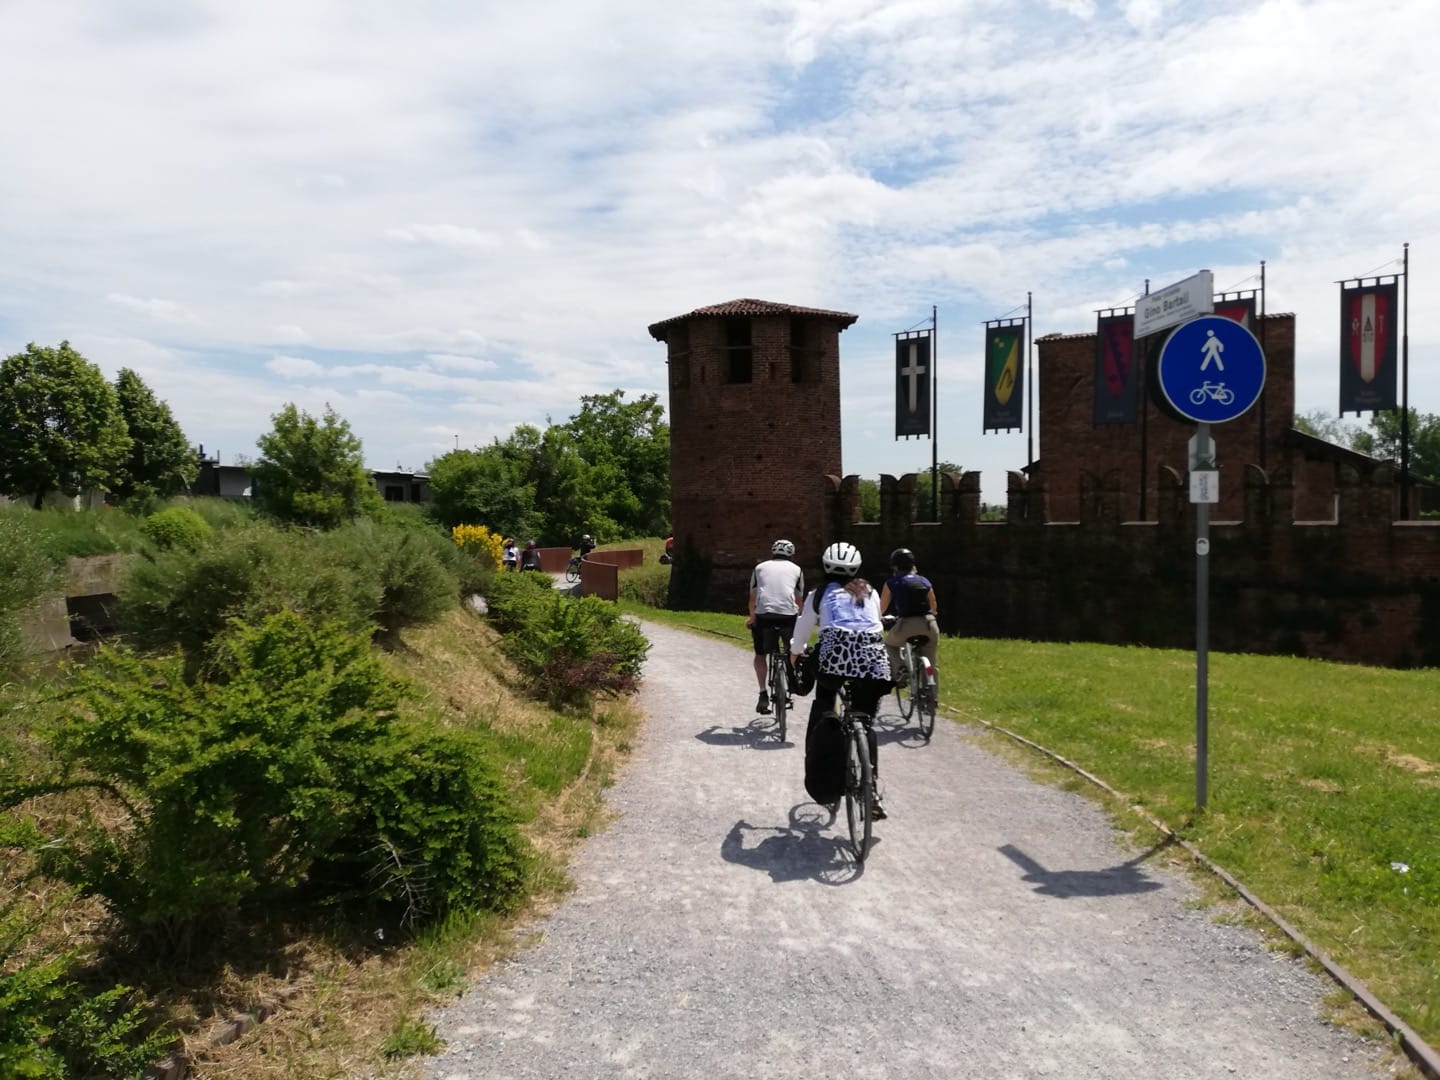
1004 377
1369 325
912 386
1115 374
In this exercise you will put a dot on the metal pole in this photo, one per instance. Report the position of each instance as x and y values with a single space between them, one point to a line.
934 418
1204 454
1030 382
1267 360
1405 394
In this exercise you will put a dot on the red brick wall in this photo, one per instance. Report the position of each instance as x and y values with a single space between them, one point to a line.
744 457
1071 445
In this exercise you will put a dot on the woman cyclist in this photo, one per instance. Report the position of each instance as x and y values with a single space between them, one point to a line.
909 596
852 646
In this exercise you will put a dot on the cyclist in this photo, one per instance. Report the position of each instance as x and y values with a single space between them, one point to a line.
776 586
910 597
587 545
530 557
510 555
846 609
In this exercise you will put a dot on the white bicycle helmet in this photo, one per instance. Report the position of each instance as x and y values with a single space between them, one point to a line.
783 547
842 559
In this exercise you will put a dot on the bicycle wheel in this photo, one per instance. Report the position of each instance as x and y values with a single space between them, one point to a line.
858 781
572 572
779 694
905 691
929 692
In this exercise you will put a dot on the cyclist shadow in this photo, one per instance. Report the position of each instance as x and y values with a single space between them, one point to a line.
800 851
893 729
759 734
1120 880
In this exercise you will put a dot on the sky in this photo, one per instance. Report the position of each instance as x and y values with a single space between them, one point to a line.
444 219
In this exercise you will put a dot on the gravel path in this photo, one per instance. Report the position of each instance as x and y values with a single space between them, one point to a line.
997 929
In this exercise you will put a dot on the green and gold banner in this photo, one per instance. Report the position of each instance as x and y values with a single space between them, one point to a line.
1004 376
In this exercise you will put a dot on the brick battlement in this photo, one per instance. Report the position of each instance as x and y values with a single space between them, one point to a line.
1358 586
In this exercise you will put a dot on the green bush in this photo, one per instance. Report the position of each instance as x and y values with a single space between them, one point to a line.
220 514
511 597
188 597
177 527
412 569
575 648
51 1027
290 771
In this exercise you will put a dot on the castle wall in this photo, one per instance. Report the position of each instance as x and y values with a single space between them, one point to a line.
1359 587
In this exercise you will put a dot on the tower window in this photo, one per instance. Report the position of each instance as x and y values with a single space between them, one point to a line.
804 352
677 342
738 362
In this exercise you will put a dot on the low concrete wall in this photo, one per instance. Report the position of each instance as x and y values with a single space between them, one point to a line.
83 611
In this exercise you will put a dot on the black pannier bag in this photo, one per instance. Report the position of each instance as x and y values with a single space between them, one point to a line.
806 670
825 758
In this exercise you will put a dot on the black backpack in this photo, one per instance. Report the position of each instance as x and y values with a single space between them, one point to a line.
825 758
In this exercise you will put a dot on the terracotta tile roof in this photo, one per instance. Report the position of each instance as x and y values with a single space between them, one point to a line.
748 306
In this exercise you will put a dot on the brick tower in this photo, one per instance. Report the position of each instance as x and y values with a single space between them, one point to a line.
754 429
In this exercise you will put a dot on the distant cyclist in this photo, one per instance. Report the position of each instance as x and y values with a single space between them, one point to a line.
776 586
847 612
587 545
910 597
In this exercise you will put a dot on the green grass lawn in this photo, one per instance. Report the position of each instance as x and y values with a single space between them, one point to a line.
1324 779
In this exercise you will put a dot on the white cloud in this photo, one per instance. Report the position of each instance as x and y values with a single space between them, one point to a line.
454 233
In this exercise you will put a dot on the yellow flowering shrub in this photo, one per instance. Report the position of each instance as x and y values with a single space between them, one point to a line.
479 542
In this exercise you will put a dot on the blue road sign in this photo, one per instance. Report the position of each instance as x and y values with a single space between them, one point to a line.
1211 369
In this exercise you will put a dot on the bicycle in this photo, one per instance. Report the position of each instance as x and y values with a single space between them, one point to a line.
860 795
777 680
916 693
572 570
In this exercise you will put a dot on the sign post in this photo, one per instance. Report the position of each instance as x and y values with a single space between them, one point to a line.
1211 370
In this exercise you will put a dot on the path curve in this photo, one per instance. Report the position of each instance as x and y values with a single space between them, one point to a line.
998 928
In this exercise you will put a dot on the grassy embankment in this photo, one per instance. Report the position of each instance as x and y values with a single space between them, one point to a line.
350 1002
1324 779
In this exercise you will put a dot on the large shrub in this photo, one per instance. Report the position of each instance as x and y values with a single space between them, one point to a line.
412 568
177 527
294 761
188 597
575 648
479 543
648 585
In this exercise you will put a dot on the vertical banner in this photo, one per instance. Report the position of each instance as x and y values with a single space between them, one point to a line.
1115 370
1368 335
1004 377
1239 309
912 386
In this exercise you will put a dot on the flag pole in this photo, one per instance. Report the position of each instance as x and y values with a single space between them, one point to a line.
1405 391
934 417
1267 360
1030 382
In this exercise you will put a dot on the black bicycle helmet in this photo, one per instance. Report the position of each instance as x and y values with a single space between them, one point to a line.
902 560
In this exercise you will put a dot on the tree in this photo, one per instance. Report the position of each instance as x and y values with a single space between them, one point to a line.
160 461
489 486
61 428
1383 440
1327 426
626 446
311 471
925 503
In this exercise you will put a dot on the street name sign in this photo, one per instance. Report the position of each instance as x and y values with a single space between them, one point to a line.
1174 304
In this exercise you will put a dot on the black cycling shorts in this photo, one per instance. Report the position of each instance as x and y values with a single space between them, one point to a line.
762 634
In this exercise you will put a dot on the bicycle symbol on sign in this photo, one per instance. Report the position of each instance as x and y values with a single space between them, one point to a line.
1215 391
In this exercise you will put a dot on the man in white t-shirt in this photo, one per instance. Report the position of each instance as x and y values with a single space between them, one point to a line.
777 586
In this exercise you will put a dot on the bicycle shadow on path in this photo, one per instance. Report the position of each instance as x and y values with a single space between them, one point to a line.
801 851
1126 878
759 734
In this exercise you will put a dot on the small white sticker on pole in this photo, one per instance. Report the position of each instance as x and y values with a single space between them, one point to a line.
1202 546
1205 486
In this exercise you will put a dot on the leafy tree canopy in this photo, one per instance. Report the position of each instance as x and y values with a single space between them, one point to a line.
1382 438
627 447
160 461
61 428
311 471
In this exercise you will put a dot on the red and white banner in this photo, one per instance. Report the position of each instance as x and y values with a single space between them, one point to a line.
1368 315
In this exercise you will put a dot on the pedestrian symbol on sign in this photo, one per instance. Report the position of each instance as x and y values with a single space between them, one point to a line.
1212 349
